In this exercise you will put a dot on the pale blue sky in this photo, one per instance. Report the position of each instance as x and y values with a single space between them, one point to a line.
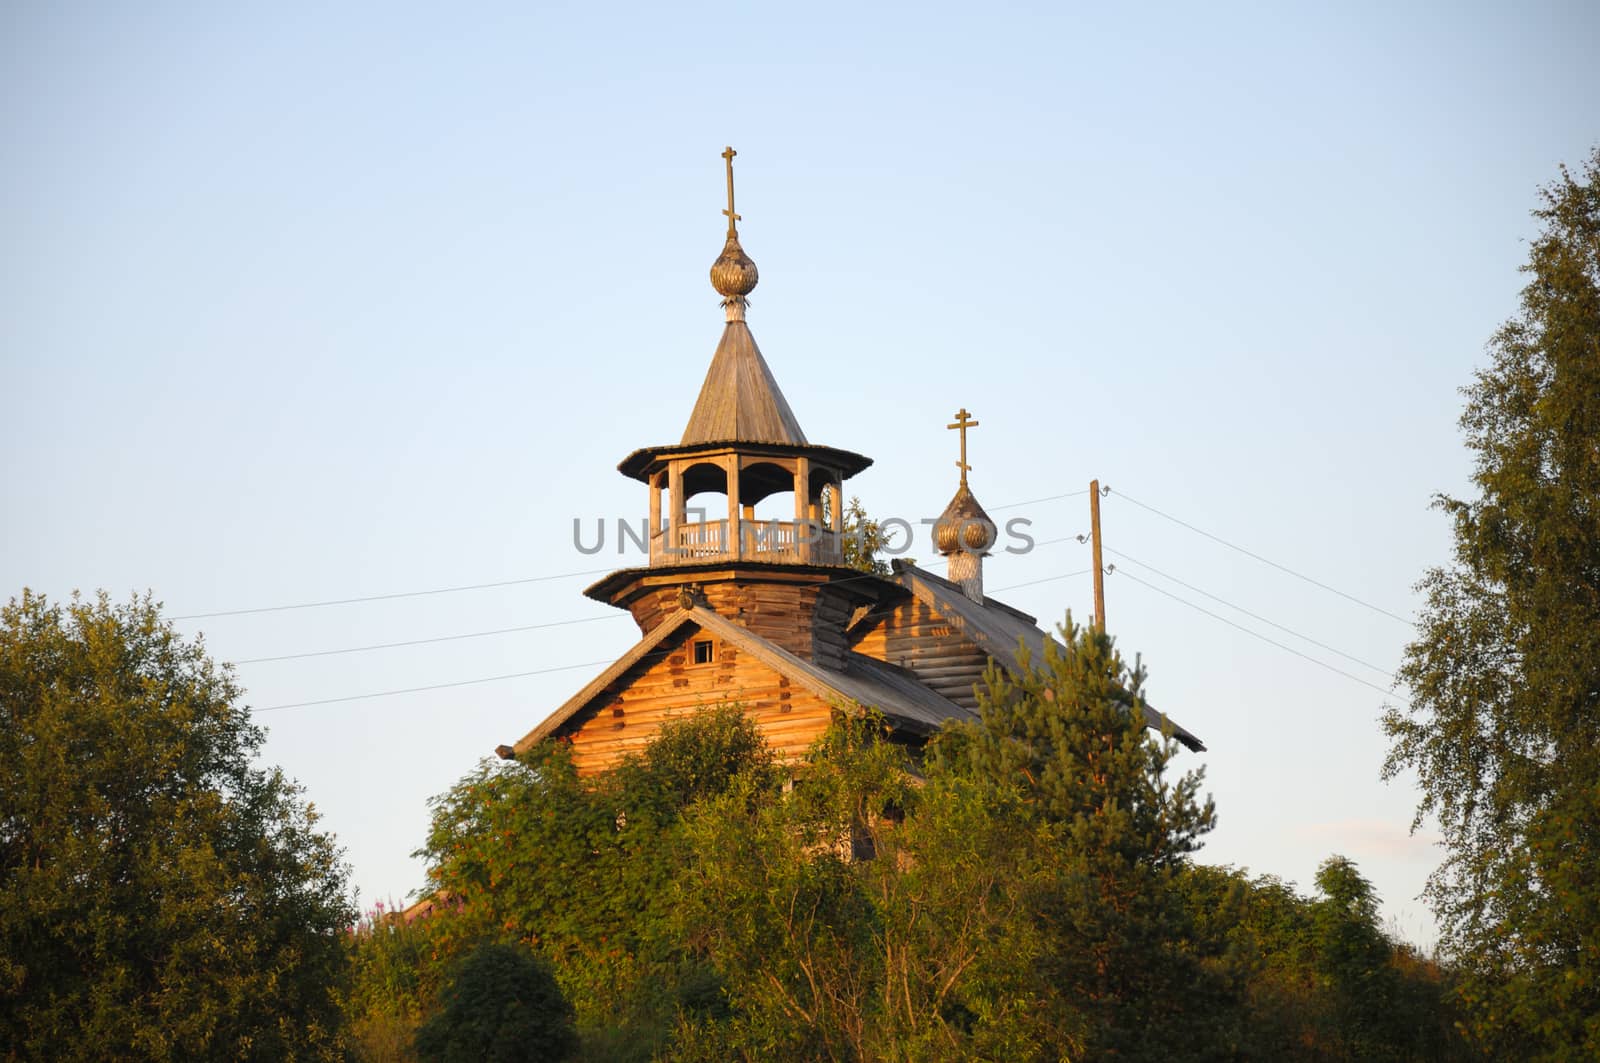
300 304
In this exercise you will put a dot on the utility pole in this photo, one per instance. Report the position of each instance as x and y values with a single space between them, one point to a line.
1099 569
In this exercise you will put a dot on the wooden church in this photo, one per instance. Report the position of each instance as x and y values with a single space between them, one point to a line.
765 613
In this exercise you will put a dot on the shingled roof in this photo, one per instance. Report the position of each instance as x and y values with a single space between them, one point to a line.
864 682
740 401
1001 631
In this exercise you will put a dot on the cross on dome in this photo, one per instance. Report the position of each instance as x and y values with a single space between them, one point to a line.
964 421
728 153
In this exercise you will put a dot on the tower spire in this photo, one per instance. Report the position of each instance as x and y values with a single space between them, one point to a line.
733 274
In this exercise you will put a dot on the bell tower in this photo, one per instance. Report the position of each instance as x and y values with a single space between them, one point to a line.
743 447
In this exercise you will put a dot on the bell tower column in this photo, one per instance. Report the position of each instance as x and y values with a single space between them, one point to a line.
653 532
734 542
675 519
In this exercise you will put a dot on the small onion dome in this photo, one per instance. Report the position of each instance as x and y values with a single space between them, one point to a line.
733 275
964 526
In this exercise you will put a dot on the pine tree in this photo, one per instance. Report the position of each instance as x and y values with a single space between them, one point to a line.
1071 733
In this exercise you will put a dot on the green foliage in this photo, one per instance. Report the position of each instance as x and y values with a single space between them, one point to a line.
582 868
395 978
1070 736
501 1006
1504 723
1318 978
864 540
1014 903
773 907
1024 891
163 897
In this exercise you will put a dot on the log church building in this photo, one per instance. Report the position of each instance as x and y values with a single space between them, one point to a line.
766 613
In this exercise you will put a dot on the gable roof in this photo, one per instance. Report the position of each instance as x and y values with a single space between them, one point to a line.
864 681
1001 631
740 401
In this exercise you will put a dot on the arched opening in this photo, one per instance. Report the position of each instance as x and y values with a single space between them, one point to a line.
698 527
826 508
774 508
766 490
704 476
827 496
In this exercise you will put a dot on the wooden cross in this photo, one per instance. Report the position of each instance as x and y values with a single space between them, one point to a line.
964 421
728 154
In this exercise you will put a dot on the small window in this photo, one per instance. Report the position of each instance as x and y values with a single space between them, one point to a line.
702 651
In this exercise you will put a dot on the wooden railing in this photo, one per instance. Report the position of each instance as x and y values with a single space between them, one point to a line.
787 542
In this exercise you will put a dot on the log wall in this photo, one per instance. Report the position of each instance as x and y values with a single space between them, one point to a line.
913 636
668 684
807 618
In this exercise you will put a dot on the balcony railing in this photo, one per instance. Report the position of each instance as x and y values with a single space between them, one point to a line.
782 541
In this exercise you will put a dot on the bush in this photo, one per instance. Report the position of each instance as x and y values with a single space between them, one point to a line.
502 1006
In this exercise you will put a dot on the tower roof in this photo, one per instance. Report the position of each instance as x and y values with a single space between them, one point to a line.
740 401
740 406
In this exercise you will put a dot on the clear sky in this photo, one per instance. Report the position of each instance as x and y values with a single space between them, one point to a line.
301 304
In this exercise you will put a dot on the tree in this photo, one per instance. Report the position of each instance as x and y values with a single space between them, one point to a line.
1010 897
1317 980
581 868
395 980
864 540
502 1006
1503 727
863 916
1070 733
164 898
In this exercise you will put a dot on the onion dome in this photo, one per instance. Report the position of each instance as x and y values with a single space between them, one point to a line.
733 274
964 527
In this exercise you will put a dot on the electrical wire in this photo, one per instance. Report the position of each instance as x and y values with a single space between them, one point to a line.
505 583
509 675
390 597
1254 616
1036 501
479 634
414 594
431 686
1047 579
1263 560
589 572
1255 634
424 642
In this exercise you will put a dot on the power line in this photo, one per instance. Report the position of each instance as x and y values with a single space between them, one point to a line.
483 634
471 682
446 638
1047 579
432 686
503 583
1254 634
1254 616
1036 501
389 597
423 642
418 594
1264 560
